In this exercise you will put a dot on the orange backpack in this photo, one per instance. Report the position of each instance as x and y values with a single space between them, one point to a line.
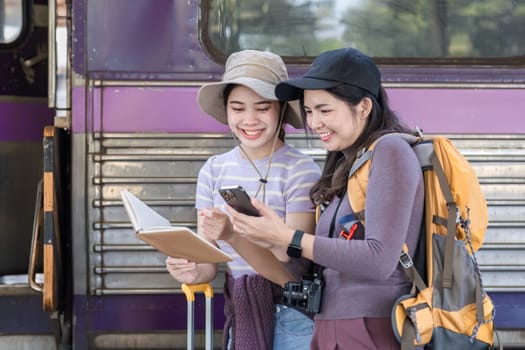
448 308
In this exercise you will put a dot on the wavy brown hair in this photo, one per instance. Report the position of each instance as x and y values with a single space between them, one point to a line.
382 120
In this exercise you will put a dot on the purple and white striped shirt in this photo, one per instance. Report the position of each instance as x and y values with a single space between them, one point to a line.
291 176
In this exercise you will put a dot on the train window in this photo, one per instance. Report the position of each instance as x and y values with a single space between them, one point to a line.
10 20
394 31
13 22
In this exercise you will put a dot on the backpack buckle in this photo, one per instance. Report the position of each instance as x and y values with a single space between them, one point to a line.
405 260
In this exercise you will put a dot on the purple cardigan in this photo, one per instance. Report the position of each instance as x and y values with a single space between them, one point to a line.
249 312
363 277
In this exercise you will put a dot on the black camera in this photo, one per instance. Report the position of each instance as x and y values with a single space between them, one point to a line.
305 295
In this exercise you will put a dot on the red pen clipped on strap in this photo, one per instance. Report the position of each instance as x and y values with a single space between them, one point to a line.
350 233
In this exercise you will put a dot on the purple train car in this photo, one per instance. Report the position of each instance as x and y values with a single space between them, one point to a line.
97 96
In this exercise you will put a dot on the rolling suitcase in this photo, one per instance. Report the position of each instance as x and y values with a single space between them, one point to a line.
189 291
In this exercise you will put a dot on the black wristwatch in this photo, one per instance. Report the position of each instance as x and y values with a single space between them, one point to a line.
294 248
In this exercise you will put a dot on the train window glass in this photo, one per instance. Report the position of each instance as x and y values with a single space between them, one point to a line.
400 30
11 20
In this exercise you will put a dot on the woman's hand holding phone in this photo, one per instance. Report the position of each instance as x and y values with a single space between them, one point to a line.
237 198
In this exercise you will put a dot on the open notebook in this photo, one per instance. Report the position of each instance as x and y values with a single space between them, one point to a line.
174 241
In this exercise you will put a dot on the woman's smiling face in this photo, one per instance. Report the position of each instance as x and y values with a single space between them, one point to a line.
253 119
336 122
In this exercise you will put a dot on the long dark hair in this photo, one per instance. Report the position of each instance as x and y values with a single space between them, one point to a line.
226 93
382 120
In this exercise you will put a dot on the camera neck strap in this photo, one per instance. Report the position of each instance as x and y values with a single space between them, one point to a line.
317 270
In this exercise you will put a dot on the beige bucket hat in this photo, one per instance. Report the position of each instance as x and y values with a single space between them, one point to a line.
260 71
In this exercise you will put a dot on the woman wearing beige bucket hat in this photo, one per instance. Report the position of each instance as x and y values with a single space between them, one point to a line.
270 170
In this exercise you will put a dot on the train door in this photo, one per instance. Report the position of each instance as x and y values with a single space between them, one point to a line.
25 112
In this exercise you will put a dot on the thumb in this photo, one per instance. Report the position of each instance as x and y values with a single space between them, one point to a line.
262 208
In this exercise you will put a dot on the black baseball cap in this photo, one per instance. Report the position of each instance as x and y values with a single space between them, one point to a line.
331 68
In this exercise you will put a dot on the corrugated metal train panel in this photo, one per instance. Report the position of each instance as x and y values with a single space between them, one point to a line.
161 169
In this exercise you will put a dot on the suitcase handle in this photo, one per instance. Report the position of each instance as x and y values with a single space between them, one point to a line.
190 290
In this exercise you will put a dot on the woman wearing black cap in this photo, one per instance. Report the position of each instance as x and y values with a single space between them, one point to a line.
345 104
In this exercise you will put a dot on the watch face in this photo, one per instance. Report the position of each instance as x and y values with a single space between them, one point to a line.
294 251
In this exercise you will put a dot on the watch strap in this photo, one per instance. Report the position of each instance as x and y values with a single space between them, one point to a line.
294 248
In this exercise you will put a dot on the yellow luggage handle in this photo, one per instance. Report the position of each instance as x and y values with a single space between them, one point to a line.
190 290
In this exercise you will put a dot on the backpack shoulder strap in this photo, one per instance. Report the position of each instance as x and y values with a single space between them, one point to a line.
360 170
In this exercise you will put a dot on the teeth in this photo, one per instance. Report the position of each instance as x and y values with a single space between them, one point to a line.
324 134
252 133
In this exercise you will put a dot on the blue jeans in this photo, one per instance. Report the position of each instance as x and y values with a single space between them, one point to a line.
293 330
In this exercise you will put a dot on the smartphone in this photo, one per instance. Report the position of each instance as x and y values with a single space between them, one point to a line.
238 199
